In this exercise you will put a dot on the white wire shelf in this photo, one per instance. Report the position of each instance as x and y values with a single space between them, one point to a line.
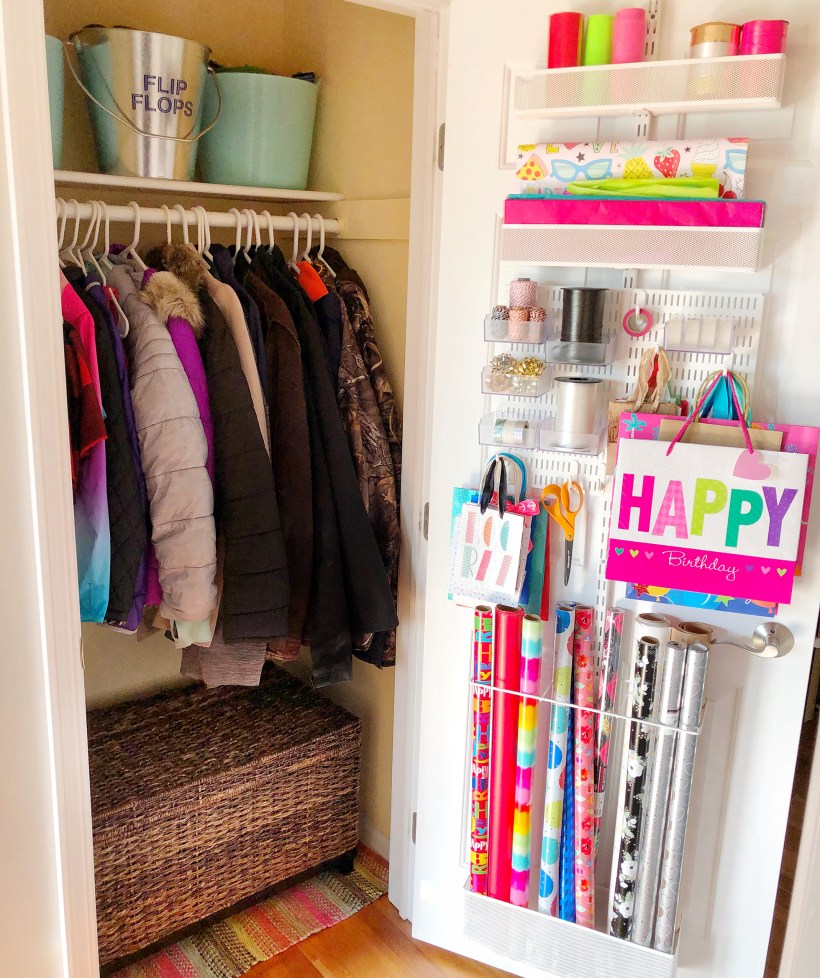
627 246
182 188
751 81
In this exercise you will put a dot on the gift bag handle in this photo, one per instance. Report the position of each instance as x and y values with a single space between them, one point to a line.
699 407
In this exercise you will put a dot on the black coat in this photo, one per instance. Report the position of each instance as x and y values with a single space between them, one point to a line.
255 578
351 591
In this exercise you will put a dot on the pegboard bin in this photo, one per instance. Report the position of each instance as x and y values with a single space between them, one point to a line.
504 331
581 354
489 432
515 385
750 82
714 335
569 442
717 249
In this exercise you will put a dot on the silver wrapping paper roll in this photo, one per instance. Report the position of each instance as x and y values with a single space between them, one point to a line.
694 680
656 796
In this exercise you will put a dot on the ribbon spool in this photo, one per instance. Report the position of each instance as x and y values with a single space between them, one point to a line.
509 432
637 322
582 317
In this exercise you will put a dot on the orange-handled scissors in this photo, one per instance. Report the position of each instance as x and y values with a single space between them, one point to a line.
557 501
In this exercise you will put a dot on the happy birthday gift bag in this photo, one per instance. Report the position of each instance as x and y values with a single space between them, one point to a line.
707 518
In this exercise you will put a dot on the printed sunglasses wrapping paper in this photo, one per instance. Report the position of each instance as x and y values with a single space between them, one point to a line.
797 439
708 517
548 168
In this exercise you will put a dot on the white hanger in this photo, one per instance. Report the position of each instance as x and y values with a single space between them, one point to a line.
309 237
69 252
248 215
62 216
295 256
87 247
183 220
123 326
104 259
131 250
269 221
167 210
238 243
205 229
320 253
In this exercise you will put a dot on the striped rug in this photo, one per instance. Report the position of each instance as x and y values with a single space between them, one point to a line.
234 945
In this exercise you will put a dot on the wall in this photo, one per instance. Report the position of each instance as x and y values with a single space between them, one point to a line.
362 149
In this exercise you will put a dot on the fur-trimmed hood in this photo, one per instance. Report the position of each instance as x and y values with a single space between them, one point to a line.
170 296
180 259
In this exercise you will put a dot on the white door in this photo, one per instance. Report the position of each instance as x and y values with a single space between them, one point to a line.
747 750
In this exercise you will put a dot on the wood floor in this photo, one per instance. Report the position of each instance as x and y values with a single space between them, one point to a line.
374 943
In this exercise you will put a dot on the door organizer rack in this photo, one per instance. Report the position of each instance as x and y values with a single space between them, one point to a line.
752 81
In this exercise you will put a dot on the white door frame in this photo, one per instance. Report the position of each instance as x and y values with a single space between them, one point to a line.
27 210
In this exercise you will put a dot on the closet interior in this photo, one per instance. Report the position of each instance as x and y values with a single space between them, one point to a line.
357 206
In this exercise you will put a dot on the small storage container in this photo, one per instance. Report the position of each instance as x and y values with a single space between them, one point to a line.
56 90
265 132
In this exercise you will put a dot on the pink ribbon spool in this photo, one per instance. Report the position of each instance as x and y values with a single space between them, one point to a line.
637 322
764 37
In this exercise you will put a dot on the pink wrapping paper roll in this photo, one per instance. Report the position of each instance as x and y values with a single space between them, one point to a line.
584 688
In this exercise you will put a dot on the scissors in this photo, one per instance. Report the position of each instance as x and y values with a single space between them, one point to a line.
557 501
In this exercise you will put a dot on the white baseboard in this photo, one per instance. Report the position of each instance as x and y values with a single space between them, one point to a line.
375 840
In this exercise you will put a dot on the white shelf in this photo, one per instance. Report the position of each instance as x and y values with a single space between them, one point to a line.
70 178
627 246
751 81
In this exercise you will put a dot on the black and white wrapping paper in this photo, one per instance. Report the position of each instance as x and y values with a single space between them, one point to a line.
625 872
656 795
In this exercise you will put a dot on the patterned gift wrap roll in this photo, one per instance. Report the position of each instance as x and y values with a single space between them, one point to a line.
584 767
503 744
656 798
482 680
626 869
607 689
694 681
566 882
556 760
531 648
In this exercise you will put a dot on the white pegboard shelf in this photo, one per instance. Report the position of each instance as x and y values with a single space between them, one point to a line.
626 246
752 81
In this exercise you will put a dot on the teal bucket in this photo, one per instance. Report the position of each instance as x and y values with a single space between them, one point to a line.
56 89
265 132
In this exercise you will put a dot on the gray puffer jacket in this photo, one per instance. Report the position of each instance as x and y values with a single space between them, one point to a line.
174 451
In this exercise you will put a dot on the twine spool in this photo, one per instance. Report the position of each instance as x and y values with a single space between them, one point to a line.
537 314
519 324
524 293
500 312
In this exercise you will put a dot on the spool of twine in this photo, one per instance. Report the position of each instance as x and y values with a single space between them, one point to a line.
519 324
524 293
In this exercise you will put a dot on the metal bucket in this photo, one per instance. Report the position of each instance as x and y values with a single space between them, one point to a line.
145 97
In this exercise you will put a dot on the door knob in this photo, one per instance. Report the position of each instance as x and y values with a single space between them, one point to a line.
771 640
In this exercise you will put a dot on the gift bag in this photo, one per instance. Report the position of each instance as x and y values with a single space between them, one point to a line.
707 518
650 395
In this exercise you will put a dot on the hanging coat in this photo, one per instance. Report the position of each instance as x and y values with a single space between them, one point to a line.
174 451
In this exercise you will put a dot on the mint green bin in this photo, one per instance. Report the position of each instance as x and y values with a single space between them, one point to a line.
264 134
54 67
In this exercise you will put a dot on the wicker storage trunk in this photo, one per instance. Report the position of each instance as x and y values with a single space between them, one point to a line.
202 798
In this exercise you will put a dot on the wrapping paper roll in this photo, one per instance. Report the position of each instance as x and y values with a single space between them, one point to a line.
689 632
694 680
531 648
503 743
482 678
556 760
656 797
626 868
566 882
659 627
607 689
584 767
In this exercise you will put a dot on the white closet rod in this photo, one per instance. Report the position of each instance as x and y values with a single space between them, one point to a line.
123 214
